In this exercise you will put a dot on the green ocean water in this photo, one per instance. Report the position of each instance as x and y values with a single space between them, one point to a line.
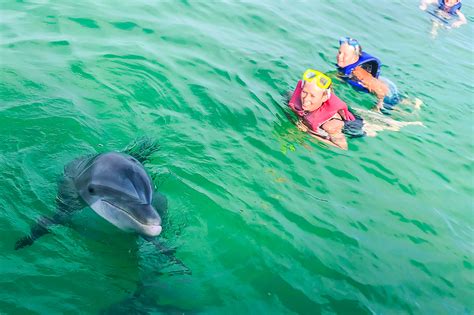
268 220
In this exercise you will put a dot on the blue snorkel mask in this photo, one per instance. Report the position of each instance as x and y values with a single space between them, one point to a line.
350 41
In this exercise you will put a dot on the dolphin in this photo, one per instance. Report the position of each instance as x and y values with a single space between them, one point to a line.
116 186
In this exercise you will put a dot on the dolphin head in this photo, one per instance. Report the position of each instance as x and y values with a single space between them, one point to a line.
116 187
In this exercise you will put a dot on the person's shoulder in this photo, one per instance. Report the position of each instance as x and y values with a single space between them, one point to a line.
334 99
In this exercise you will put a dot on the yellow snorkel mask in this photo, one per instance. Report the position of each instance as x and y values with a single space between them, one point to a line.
322 81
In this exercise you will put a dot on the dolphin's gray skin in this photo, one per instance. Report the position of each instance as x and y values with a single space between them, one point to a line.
115 185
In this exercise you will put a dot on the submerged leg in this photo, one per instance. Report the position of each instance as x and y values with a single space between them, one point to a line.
434 29
415 103
372 128
375 122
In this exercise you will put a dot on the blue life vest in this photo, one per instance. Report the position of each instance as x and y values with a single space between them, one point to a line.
452 10
368 62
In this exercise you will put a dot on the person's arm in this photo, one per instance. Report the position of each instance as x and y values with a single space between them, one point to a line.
424 4
374 85
301 126
378 107
336 138
462 19
380 89
315 135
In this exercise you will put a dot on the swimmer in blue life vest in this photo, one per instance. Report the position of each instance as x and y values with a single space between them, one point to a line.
362 70
446 12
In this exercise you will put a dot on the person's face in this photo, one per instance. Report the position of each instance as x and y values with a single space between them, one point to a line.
346 55
450 3
312 97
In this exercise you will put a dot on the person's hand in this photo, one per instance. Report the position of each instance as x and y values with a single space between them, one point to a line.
456 24
423 5
378 107
301 126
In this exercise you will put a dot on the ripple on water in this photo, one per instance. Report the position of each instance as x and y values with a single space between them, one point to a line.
422 226
273 223
126 26
377 169
59 43
89 23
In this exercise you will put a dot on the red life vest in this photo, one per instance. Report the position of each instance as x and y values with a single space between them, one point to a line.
316 118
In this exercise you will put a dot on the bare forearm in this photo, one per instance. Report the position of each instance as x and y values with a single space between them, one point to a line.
339 140
379 104
322 139
462 19
335 142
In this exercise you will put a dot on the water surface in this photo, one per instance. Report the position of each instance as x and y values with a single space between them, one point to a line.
268 220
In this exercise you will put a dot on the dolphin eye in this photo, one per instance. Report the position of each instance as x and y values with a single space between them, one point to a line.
91 190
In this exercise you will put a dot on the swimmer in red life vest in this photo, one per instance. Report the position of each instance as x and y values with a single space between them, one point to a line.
321 113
